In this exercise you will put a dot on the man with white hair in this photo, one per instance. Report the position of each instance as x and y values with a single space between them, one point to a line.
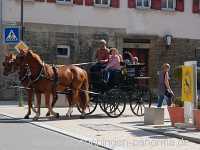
102 56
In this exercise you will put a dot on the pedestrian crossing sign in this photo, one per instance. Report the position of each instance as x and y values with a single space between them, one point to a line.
11 35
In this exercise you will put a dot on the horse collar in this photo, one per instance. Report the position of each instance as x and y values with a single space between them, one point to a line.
40 75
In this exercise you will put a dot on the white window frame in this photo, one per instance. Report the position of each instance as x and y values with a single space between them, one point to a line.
143 7
29 1
102 5
64 2
167 8
63 56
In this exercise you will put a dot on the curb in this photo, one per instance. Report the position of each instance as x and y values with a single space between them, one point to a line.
183 137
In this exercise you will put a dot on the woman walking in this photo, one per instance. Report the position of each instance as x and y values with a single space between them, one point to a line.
165 91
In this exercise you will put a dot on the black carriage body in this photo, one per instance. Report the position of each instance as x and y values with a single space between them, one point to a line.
125 80
123 88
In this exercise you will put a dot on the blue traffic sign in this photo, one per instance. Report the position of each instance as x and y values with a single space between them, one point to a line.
11 35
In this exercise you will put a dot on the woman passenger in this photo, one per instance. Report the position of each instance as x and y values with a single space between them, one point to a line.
113 65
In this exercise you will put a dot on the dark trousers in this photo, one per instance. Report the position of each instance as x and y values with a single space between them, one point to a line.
97 67
109 75
161 98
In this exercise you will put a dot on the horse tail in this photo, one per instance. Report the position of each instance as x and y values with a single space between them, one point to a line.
84 93
81 77
85 87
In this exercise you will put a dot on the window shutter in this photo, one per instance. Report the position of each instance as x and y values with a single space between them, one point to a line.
131 3
39 0
180 5
156 4
51 1
115 3
78 2
89 2
195 8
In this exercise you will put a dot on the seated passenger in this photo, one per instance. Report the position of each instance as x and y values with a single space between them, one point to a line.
132 71
113 65
128 57
102 56
135 60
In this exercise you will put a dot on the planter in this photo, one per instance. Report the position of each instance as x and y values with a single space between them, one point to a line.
197 118
176 114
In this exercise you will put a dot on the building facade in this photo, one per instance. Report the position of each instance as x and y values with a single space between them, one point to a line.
68 31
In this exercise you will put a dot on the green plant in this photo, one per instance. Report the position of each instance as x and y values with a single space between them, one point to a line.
178 102
198 105
178 73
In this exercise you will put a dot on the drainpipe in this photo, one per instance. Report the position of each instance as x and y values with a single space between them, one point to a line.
22 20
1 21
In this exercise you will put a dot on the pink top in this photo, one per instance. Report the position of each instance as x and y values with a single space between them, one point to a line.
114 62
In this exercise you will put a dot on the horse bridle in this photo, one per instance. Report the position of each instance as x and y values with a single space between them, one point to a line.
28 74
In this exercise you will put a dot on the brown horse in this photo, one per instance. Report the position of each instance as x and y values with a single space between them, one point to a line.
10 66
42 79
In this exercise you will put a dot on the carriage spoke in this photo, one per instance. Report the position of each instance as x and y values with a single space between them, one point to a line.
141 109
135 106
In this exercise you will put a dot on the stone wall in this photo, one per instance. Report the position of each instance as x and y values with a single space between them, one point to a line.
83 42
181 50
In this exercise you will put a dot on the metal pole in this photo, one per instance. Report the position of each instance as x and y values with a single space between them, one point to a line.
22 20
1 21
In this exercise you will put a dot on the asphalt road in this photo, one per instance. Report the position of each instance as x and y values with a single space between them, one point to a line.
17 135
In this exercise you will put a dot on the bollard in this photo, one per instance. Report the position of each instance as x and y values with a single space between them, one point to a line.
21 98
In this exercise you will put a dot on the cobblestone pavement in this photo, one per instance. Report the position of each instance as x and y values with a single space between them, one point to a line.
114 133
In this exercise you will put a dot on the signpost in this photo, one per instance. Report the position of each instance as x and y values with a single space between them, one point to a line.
21 45
189 89
187 83
11 35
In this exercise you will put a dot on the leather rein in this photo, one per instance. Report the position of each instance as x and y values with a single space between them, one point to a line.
28 75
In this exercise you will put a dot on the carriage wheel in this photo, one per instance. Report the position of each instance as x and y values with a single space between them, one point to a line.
102 106
138 107
114 109
138 103
114 103
91 107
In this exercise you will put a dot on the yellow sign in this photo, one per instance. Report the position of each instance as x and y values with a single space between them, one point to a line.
21 45
187 83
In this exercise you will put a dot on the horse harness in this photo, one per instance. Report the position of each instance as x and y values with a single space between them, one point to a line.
41 75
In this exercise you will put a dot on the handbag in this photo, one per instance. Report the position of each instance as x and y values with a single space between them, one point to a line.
168 94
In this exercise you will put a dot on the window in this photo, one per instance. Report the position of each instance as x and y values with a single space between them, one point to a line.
102 3
64 1
169 4
143 3
196 6
28 0
63 51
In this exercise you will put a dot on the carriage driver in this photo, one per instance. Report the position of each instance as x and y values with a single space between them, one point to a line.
102 57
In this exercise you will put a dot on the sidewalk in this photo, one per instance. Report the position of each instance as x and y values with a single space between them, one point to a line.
126 132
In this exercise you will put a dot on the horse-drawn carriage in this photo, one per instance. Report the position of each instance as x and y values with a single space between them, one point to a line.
112 97
125 87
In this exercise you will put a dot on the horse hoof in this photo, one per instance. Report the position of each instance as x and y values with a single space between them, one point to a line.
35 119
26 117
82 117
48 114
68 115
57 115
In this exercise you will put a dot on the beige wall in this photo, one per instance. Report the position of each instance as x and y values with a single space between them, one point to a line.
149 22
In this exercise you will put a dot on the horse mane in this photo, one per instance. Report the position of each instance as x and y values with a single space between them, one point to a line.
36 56
13 56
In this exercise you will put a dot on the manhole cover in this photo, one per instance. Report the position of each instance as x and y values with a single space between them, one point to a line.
103 127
